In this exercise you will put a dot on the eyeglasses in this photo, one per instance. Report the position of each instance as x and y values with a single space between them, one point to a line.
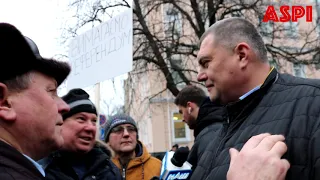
120 129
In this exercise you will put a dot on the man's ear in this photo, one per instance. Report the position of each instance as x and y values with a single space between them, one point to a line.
6 111
189 105
242 51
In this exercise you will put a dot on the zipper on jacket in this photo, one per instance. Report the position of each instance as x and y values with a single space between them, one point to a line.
230 131
224 132
124 173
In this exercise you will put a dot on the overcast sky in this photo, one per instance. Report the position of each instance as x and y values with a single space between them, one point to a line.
42 20
38 19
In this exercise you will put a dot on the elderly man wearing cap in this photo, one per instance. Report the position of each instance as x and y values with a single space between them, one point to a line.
30 109
80 156
131 156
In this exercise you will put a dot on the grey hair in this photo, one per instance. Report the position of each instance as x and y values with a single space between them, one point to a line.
19 83
231 31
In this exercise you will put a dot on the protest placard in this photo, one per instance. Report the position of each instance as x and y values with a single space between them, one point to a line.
101 53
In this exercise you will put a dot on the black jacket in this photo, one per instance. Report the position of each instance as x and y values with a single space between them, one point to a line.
15 166
283 105
97 165
208 122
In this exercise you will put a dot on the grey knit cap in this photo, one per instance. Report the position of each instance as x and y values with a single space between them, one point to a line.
117 120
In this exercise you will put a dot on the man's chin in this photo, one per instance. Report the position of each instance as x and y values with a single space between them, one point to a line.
127 149
59 142
191 126
215 98
84 150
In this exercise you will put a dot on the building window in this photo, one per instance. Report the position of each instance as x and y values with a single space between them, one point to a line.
181 132
291 29
317 58
172 21
144 81
236 14
266 28
299 70
176 66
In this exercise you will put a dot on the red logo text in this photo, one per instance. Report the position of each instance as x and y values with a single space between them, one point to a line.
287 15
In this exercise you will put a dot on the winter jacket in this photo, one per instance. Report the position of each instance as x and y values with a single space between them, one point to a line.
95 165
284 104
208 122
15 166
142 167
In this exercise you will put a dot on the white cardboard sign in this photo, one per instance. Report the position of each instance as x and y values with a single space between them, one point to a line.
101 53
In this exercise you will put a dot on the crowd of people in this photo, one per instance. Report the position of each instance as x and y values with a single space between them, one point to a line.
256 123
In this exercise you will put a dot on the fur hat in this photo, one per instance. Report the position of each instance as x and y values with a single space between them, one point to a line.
78 101
117 120
20 55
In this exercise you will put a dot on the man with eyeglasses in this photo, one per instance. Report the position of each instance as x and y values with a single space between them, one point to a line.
131 156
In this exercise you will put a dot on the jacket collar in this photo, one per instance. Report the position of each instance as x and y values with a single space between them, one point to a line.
11 156
138 160
209 113
246 105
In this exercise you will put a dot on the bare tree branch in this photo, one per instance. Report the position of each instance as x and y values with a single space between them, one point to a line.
164 29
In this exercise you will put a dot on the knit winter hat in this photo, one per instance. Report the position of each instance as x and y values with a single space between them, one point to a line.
117 120
79 101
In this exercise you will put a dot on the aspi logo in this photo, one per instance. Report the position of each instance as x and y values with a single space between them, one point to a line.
178 176
288 13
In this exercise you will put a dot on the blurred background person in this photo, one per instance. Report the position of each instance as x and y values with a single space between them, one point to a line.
131 156
174 147
201 115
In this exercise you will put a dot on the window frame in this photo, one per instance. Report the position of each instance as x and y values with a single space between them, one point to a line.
187 137
302 68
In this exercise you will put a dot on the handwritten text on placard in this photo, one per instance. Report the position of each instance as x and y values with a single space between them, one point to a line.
102 53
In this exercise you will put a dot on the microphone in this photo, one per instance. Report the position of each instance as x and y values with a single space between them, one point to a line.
180 156
175 166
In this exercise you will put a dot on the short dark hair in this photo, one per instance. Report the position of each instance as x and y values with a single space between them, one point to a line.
231 31
190 93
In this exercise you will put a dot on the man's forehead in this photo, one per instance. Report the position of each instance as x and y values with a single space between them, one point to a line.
207 46
37 76
124 125
208 40
54 83
87 115
50 83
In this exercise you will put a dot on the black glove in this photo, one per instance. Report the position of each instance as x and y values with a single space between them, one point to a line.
180 156
155 178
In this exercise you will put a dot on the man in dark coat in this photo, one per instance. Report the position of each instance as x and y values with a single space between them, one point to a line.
258 99
30 109
80 157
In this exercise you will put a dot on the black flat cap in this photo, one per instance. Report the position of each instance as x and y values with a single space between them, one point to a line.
19 55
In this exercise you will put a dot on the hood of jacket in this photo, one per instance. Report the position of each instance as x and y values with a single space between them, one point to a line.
209 113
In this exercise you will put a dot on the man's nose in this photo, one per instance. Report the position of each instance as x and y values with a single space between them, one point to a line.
63 107
90 126
125 132
202 76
